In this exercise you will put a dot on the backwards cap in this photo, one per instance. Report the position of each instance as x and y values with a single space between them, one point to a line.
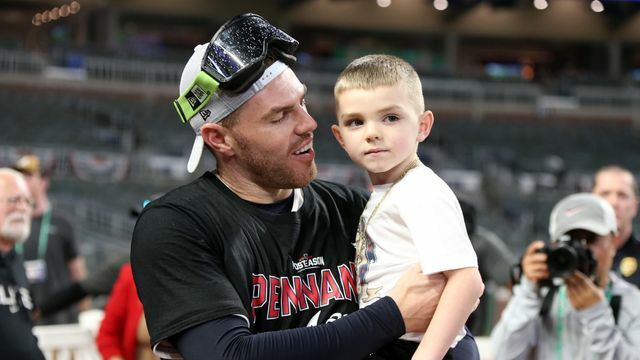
221 103
583 211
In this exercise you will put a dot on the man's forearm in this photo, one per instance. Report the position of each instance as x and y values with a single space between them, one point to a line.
352 337
516 331
607 341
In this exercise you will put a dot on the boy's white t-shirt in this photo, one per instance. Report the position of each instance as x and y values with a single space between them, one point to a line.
419 221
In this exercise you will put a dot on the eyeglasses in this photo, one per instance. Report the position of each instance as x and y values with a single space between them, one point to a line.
235 59
17 200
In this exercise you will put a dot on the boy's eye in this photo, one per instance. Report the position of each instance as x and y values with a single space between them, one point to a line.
391 118
353 123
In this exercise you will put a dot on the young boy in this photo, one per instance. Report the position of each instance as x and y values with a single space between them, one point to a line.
412 215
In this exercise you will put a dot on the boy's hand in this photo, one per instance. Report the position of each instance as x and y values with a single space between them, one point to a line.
417 296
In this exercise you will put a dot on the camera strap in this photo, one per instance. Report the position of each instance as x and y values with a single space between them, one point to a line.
614 302
548 300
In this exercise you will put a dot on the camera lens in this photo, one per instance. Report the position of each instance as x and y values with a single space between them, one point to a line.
562 261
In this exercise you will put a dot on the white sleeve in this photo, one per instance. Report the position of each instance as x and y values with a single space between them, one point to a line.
433 216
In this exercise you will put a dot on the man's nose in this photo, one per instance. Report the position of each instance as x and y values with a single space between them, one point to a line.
307 123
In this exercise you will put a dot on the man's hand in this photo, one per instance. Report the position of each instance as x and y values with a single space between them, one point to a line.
581 291
417 296
534 264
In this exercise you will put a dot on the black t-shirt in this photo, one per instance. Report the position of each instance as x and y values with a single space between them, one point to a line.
200 253
17 341
626 260
54 248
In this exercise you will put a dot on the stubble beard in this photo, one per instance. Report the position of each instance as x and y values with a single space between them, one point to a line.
267 172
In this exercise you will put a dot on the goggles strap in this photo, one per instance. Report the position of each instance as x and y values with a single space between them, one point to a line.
196 97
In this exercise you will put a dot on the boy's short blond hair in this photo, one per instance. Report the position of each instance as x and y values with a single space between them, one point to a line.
372 71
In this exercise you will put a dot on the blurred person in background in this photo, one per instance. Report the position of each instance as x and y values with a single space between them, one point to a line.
51 254
98 282
255 259
619 188
17 341
558 312
123 333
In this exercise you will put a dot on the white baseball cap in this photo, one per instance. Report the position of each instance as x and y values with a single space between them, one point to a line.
583 211
221 103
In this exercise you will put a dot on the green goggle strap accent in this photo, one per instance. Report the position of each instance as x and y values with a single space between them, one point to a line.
196 97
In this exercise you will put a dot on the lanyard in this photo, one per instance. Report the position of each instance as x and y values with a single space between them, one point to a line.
43 237
562 302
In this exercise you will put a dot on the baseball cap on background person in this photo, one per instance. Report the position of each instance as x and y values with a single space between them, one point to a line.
28 165
584 211
222 75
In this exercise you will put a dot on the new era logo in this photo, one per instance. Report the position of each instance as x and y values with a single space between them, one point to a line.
205 114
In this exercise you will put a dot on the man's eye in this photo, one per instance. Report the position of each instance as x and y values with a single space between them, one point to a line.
391 118
278 118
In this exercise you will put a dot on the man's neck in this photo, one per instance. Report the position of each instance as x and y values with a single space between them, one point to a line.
42 206
623 236
250 191
5 245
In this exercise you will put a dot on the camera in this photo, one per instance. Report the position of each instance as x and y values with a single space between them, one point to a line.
567 255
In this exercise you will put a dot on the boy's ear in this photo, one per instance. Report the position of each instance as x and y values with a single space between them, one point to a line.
335 129
218 138
424 125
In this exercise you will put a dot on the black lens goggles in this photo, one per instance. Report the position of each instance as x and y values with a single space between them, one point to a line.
235 59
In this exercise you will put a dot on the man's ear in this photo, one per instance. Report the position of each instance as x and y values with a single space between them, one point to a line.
425 123
217 138
335 129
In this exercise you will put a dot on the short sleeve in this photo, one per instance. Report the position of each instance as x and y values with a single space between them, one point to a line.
178 273
65 232
433 216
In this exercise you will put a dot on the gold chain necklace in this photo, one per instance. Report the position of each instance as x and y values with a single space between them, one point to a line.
362 226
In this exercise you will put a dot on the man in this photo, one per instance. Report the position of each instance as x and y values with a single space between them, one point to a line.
619 188
17 341
246 260
595 314
52 258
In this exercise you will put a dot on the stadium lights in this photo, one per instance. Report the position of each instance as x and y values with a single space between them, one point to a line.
596 6
440 5
55 13
540 4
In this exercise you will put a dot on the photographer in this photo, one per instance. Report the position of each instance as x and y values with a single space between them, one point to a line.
593 314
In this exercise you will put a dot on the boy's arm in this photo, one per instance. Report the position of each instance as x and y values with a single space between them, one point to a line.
464 287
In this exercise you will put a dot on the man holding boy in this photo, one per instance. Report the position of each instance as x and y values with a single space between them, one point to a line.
238 263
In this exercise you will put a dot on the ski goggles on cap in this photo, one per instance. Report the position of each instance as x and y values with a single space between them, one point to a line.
235 59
